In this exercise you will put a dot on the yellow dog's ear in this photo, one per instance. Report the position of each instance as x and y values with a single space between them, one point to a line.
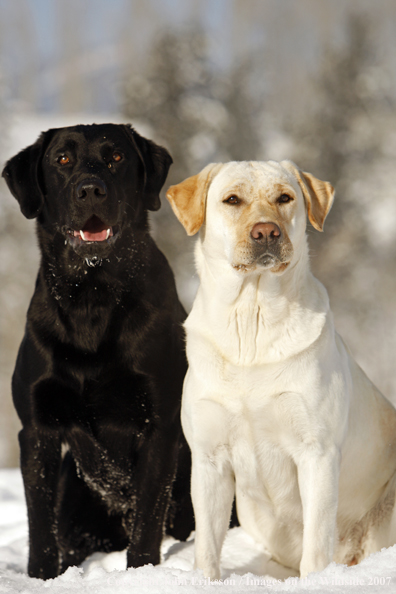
188 199
318 195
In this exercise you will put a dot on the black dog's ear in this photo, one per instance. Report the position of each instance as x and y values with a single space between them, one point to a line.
156 162
22 174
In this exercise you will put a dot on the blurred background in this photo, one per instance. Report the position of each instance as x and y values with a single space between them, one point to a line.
218 80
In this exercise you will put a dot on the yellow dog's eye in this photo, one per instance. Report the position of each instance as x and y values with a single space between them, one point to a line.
284 199
63 160
117 157
232 200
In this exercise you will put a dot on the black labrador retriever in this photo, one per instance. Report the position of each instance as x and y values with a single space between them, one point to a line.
99 374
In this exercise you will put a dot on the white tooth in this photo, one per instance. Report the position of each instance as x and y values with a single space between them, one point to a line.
108 234
82 235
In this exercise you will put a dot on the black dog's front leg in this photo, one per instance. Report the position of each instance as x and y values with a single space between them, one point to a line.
153 478
40 464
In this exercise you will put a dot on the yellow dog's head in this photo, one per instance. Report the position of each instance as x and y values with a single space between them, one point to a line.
252 213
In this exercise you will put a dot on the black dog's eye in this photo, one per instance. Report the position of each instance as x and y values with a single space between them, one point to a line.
232 200
284 199
63 160
117 157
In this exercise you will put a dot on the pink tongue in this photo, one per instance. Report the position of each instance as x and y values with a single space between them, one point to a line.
95 229
98 236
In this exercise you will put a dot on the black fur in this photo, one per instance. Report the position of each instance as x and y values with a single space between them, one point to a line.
99 374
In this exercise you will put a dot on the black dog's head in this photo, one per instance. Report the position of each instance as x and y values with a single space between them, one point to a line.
88 183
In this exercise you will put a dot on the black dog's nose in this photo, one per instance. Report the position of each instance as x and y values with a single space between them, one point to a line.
93 189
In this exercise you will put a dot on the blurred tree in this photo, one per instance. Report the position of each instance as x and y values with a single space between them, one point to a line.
346 138
243 98
71 37
326 139
200 116
17 263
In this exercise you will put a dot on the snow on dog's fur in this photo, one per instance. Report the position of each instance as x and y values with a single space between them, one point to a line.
275 409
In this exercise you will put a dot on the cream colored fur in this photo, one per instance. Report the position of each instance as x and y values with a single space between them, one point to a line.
275 409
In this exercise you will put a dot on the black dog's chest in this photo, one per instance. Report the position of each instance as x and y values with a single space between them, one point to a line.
98 399
89 327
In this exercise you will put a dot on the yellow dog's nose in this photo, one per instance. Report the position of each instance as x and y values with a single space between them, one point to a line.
264 231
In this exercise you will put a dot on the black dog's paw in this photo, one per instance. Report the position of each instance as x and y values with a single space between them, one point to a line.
44 571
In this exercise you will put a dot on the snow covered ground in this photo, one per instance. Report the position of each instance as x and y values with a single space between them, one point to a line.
245 568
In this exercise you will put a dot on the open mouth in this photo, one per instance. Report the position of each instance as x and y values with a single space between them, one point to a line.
94 231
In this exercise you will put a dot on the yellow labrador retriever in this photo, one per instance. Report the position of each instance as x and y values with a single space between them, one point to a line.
275 409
